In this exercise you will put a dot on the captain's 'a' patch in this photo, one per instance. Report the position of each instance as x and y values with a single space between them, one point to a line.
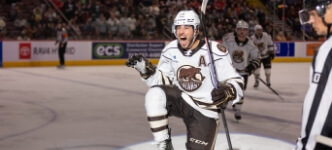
221 48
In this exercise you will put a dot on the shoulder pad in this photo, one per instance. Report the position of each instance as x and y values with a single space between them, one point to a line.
218 48
221 48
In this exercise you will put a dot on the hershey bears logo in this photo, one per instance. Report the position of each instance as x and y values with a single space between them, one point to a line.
260 46
190 78
238 56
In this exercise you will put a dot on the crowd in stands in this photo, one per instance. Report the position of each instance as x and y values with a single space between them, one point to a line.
139 19
290 14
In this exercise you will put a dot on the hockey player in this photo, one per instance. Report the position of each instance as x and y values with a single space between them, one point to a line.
245 56
264 43
317 110
181 85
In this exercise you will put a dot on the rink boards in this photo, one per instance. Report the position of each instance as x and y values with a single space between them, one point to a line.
82 53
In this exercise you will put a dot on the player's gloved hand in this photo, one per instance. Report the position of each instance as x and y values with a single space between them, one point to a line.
142 65
224 93
271 55
250 69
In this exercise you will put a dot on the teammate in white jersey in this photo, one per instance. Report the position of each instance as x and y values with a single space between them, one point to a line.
245 56
181 85
317 110
264 43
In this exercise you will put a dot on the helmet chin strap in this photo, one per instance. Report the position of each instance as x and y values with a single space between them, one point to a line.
328 27
328 30
193 41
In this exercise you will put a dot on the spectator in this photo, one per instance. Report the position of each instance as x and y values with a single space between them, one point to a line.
140 27
221 31
88 28
252 22
49 30
219 6
213 31
280 36
296 27
58 3
269 30
113 25
20 22
69 9
14 11
39 32
37 13
150 31
124 31
27 33
3 30
49 15
154 9
131 22
101 27
288 36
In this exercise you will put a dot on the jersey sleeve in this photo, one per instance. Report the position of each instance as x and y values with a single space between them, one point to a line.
164 74
270 45
225 71
254 57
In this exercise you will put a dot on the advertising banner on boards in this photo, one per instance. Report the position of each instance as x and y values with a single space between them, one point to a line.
121 50
284 49
44 51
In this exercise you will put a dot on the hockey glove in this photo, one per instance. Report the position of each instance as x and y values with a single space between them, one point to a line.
271 54
250 69
224 93
142 65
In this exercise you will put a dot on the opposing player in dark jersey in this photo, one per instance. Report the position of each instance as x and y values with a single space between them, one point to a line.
265 46
244 54
317 110
181 85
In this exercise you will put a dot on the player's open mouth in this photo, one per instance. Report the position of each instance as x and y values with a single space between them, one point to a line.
183 38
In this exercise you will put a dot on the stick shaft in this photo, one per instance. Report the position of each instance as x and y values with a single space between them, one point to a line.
275 92
213 71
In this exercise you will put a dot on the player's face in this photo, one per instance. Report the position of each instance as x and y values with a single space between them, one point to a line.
259 32
317 23
185 35
242 32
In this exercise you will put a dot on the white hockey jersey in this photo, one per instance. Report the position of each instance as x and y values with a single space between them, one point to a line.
189 70
242 53
264 44
317 115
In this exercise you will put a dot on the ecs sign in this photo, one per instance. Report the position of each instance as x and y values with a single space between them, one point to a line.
25 50
107 50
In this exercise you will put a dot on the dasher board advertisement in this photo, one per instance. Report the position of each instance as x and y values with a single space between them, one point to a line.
121 50
44 51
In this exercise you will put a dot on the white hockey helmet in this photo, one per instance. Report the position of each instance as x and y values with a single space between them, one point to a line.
242 24
257 27
186 17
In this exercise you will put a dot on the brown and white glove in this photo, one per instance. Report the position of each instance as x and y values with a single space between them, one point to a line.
142 65
225 92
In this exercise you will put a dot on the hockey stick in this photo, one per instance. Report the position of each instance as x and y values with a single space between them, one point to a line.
275 92
213 71
324 140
